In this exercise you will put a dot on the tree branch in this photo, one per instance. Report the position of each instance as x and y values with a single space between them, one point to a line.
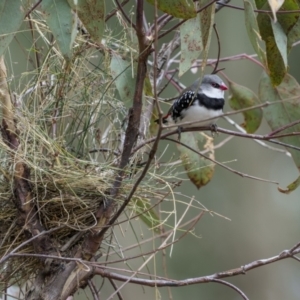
114 11
220 164
232 287
203 279
226 131
104 214
134 115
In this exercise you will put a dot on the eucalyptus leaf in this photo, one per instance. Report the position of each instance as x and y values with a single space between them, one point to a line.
207 21
63 24
92 15
123 73
285 112
241 97
12 14
253 30
291 187
275 63
191 43
183 9
147 214
281 41
273 35
199 170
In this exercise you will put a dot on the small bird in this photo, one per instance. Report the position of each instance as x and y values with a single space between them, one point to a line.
198 103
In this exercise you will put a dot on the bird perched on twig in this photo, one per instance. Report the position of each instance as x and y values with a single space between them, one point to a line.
197 103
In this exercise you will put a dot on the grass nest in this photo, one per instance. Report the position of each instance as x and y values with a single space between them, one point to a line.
69 179
66 194
66 191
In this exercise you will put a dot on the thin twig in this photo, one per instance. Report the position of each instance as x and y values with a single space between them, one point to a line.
263 144
220 164
271 134
139 214
103 271
262 137
204 279
114 11
163 88
192 223
4 258
163 245
161 235
93 289
222 130
295 247
164 57
115 288
231 286
164 22
33 8
215 70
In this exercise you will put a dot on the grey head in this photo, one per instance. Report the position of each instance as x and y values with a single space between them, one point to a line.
211 85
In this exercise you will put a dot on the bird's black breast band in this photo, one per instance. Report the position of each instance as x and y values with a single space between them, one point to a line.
211 103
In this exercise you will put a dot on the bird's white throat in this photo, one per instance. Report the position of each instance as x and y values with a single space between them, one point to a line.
212 92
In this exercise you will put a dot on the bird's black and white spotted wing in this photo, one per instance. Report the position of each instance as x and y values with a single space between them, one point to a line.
182 104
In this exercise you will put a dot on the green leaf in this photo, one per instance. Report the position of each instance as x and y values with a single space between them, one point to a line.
191 43
253 31
199 170
62 22
12 14
241 97
92 15
275 63
281 41
207 17
291 187
277 66
183 9
288 21
147 214
277 69
285 112
123 74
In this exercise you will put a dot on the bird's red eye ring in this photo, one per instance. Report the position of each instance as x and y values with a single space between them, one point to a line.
215 85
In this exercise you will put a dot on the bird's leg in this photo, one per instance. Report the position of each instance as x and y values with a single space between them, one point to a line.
179 129
214 129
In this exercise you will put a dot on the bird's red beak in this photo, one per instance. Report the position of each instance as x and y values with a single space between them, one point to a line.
223 87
